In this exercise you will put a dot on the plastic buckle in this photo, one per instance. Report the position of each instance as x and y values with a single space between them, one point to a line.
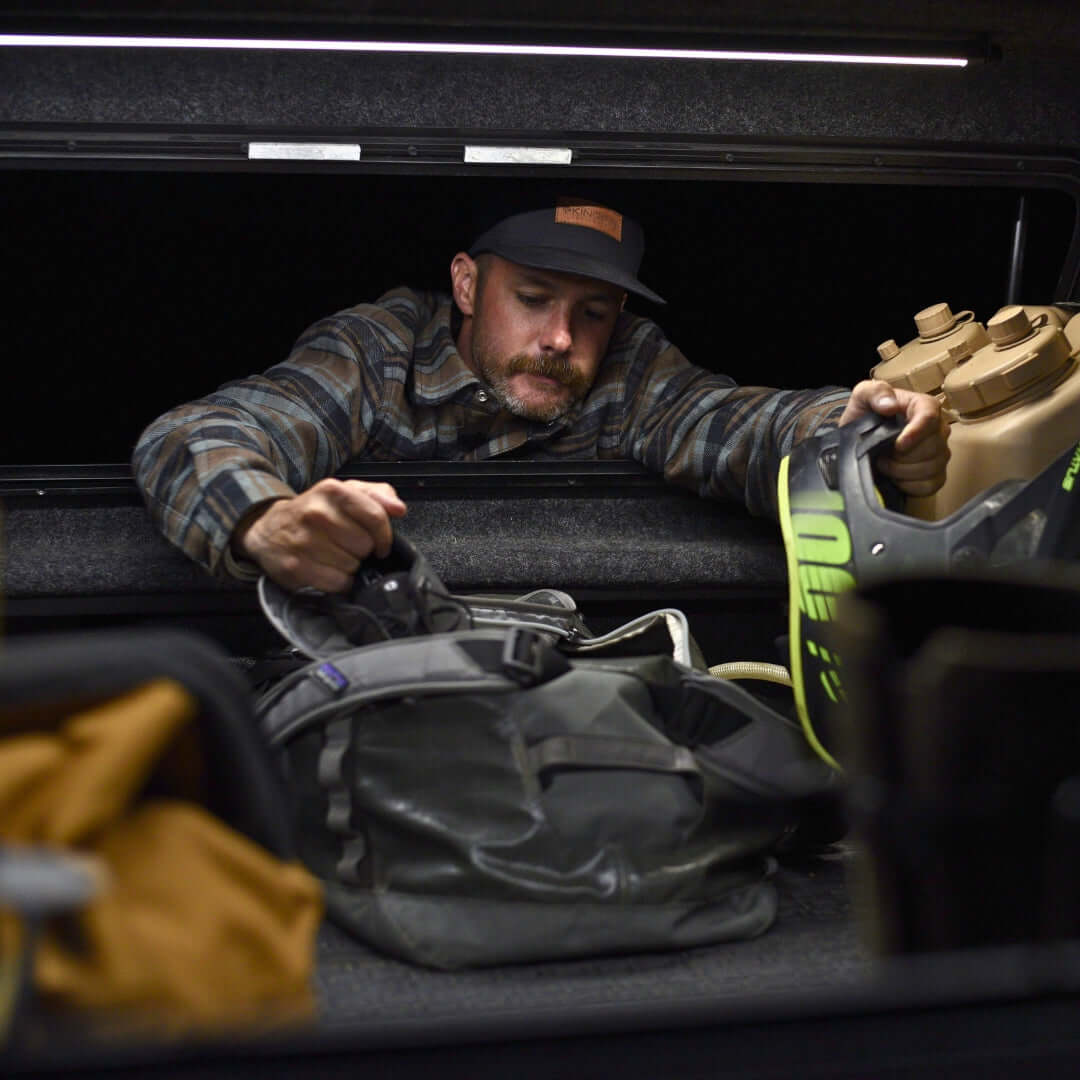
522 657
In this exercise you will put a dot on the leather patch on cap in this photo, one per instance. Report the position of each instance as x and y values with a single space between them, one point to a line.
591 216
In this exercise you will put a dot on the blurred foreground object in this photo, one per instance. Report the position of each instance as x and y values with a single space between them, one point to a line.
138 752
960 738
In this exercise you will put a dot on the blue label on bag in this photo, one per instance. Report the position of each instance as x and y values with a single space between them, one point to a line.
331 678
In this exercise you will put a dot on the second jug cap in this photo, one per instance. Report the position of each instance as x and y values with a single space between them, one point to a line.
939 319
888 349
998 374
1008 326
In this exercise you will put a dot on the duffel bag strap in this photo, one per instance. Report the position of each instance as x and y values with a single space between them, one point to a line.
560 752
551 610
665 630
469 661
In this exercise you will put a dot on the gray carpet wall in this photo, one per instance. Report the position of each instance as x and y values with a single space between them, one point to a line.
78 563
650 542
1026 99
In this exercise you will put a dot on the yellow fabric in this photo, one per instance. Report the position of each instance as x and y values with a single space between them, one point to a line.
197 924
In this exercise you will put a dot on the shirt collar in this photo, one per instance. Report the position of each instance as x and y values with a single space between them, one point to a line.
439 372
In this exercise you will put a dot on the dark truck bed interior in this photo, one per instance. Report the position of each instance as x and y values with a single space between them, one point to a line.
795 218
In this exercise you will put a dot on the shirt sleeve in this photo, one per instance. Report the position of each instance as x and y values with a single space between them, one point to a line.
203 465
704 432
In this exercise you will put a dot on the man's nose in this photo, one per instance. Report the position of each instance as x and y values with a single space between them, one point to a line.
557 336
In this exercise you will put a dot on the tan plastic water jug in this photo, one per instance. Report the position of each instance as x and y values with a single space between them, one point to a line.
944 341
1014 406
1072 331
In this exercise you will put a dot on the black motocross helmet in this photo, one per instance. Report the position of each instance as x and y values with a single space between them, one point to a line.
843 529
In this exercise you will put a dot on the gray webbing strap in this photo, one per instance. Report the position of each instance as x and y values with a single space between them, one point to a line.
603 752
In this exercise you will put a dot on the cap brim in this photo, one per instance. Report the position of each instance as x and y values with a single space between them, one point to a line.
569 262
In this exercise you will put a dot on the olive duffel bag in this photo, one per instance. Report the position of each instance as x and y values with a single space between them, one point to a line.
480 797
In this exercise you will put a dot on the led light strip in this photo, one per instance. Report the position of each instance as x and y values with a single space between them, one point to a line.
467 48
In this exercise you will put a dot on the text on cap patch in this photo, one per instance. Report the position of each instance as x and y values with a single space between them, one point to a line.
590 216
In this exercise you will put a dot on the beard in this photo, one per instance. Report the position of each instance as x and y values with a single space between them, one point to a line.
498 375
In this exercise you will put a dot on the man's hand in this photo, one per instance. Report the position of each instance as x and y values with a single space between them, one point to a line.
320 537
917 462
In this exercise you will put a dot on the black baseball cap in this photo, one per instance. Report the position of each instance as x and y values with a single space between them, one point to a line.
575 236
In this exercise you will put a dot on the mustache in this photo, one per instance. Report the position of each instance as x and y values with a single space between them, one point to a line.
552 366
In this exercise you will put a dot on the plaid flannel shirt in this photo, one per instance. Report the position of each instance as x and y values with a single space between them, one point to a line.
384 382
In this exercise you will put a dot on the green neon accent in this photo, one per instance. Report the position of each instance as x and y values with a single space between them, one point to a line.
795 614
822 538
824 499
819 586
811 647
828 688
1070 473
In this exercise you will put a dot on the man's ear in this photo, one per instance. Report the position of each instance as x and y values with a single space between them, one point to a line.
463 280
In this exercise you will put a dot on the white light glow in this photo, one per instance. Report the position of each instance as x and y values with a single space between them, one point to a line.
466 48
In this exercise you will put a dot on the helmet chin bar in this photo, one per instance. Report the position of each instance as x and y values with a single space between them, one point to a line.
843 529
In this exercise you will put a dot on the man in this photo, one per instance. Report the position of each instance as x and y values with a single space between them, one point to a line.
535 357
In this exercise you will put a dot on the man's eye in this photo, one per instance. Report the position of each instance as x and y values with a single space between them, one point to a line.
529 300
598 314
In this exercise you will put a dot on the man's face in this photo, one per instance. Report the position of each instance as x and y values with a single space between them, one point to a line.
538 336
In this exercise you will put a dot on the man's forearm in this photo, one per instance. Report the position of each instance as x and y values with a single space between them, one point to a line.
198 485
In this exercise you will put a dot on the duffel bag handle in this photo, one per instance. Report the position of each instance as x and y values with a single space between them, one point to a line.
560 752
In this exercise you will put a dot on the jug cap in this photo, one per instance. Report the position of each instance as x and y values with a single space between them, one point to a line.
926 374
938 319
923 363
1010 325
997 373
888 349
